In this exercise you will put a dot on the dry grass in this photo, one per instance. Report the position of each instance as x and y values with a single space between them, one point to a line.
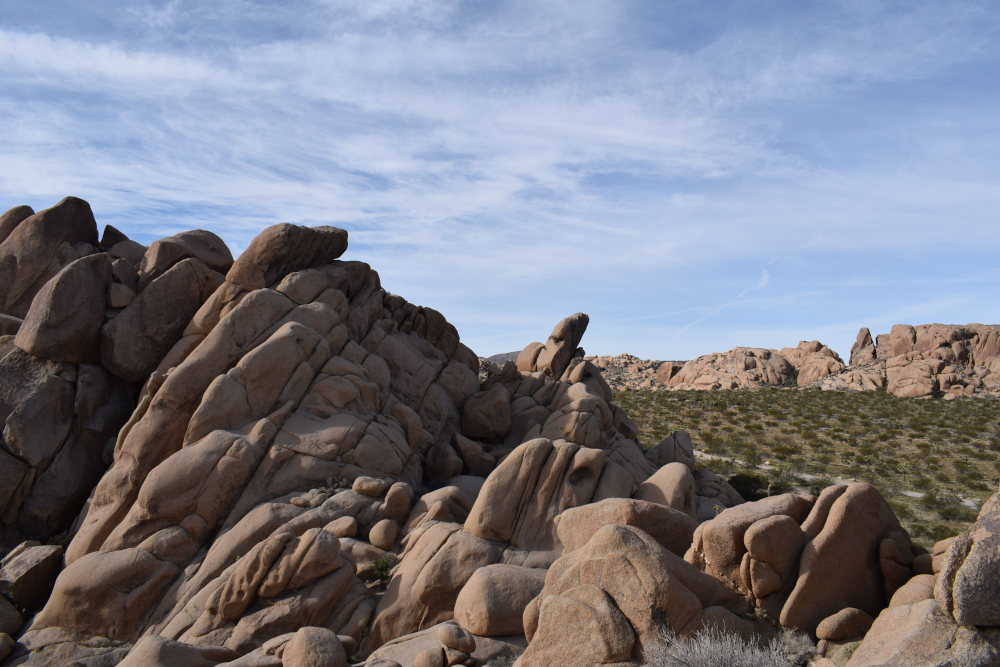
946 452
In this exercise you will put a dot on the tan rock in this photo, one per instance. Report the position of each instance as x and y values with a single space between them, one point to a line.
648 585
492 602
672 485
917 589
812 361
921 634
383 534
554 357
741 367
314 647
107 593
475 459
719 545
120 295
666 371
64 320
580 626
671 528
10 618
156 651
841 566
967 586
438 561
675 447
863 350
846 624
134 341
536 482
370 486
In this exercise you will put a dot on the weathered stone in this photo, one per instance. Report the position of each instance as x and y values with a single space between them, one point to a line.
848 623
670 527
27 578
841 566
38 247
65 318
492 602
198 244
486 415
314 647
284 248
968 586
672 485
134 342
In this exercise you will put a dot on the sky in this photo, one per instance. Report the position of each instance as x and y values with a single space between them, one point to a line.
693 175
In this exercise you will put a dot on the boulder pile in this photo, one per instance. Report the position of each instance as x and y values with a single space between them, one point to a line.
945 360
274 461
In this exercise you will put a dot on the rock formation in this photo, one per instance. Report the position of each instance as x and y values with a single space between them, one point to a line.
273 461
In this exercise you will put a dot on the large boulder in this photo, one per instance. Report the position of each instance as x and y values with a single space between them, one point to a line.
968 587
492 602
857 556
39 246
199 244
672 528
615 594
863 350
12 218
282 249
65 318
135 341
554 356
59 421
28 573
536 482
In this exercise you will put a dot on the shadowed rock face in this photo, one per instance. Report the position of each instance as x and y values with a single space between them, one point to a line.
305 469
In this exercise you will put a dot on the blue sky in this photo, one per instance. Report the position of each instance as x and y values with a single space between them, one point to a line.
693 175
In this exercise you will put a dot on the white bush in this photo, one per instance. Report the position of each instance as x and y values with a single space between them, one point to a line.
713 648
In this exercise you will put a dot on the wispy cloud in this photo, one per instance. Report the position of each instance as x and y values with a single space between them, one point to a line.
616 158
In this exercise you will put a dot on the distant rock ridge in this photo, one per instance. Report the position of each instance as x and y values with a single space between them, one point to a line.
273 461
947 360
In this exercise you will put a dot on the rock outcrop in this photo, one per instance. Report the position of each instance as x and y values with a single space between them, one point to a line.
950 616
280 463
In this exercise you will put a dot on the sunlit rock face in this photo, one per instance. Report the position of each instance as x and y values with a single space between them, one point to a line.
274 461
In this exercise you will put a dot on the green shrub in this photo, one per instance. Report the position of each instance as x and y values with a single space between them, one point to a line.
750 485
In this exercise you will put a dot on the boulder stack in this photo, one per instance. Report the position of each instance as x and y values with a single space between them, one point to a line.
274 461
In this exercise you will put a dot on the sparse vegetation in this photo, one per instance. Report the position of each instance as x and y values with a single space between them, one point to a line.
382 567
935 461
711 646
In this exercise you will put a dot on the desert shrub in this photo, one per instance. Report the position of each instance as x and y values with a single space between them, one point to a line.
713 647
749 485
382 567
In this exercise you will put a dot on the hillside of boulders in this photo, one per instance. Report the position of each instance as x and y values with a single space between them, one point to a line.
271 460
947 360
